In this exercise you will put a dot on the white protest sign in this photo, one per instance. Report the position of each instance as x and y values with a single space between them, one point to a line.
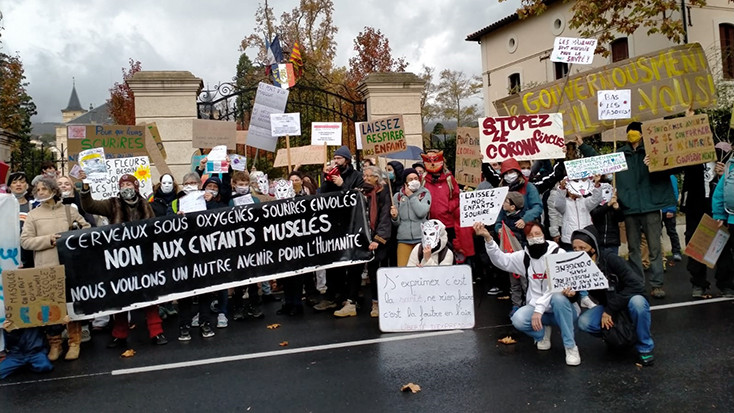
614 104
358 132
716 248
269 99
9 245
285 124
218 153
425 298
523 137
596 165
238 162
243 200
109 186
192 202
481 206
573 50
575 270
216 160
92 162
329 133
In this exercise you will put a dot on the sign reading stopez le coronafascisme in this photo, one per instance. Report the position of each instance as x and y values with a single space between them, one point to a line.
523 137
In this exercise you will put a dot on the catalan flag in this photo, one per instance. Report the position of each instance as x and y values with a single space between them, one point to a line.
296 60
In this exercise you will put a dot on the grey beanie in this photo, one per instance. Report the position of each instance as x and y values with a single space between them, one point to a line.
343 151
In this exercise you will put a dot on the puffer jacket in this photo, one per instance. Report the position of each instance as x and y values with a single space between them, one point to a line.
639 190
576 212
412 212
41 224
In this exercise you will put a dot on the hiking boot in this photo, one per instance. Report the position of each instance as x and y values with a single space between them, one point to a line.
117 342
222 321
206 330
184 334
324 305
349 310
573 358
545 343
159 340
587 302
699 292
647 359
375 313
75 339
657 292
55 347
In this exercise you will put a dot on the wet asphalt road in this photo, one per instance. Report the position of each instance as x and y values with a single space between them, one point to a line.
330 365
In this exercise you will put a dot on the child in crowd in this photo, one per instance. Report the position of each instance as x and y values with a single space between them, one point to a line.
606 218
434 248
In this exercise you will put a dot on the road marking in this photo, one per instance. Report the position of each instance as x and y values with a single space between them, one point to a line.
690 303
78 376
280 352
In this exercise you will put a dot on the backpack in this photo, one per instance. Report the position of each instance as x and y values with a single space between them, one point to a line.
729 187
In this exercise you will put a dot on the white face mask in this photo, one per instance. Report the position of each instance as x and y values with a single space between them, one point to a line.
431 234
511 177
526 172
242 189
414 185
37 199
190 188
536 240
213 192
167 185
67 194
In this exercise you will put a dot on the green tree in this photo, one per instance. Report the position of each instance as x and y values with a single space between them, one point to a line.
453 89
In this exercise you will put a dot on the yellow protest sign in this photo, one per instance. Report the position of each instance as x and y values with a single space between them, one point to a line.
673 143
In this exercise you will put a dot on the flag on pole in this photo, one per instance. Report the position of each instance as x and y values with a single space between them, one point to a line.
283 76
269 57
296 60
276 50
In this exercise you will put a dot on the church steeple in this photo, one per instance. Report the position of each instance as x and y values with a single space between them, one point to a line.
74 108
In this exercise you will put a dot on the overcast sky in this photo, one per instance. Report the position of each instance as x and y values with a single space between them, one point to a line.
92 40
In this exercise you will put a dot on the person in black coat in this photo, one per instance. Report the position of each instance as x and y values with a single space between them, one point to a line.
164 193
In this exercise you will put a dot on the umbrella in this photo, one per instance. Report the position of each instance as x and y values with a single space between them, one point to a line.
412 153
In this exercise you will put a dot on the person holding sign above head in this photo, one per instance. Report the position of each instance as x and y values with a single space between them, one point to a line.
642 195
623 302
542 308
128 206
42 228
410 209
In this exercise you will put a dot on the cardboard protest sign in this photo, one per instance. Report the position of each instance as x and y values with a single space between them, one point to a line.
425 298
268 99
209 133
302 155
109 185
481 206
574 270
241 137
285 124
573 50
707 242
137 264
156 151
383 136
673 143
663 83
614 104
468 157
595 165
329 133
35 297
118 141
524 137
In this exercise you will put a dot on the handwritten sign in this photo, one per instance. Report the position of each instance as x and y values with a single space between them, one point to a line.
679 142
9 245
595 165
156 151
108 186
92 162
481 206
468 157
575 270
35 297
524 137
269 99
573 50
663 83
209 133
238 162
118 141
614 104
425 298
302 155
285 124
192 202
329 133
383 136
707 242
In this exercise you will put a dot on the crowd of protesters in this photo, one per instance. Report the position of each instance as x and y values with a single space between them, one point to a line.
413 216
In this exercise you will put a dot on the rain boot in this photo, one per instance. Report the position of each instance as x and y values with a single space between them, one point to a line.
55 343
75 339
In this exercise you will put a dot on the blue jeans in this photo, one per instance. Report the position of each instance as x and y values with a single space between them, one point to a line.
639 309
37 361
563 315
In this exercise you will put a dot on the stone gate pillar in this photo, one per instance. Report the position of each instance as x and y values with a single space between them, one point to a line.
168 98
390 94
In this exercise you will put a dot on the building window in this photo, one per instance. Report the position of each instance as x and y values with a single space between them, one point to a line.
726 33
514 80
561 69
620 50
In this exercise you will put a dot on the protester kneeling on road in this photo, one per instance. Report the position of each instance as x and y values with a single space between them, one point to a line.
543 307
625 293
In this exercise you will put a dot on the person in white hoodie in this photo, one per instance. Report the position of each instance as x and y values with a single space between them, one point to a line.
542 308
433 249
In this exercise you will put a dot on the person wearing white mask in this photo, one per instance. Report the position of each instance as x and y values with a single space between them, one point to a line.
409 210
164 193
513 178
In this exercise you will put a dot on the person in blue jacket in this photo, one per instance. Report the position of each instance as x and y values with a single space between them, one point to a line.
725 264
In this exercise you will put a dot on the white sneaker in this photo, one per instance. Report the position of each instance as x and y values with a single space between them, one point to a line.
573 358
195 321
545 343
587 302
222 321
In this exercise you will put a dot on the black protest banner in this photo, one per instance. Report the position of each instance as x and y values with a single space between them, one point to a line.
132 265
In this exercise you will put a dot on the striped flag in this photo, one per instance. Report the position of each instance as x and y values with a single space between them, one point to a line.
296 60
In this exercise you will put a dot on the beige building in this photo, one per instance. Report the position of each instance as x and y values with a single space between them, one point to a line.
516 53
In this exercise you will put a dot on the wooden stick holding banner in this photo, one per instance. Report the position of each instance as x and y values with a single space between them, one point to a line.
288 150
286 124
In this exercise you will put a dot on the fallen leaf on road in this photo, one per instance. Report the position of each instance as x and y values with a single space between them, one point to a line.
273 326
128 353
507 340
411 387
504 297
283 343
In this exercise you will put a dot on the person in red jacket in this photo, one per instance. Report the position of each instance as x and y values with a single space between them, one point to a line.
444 191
